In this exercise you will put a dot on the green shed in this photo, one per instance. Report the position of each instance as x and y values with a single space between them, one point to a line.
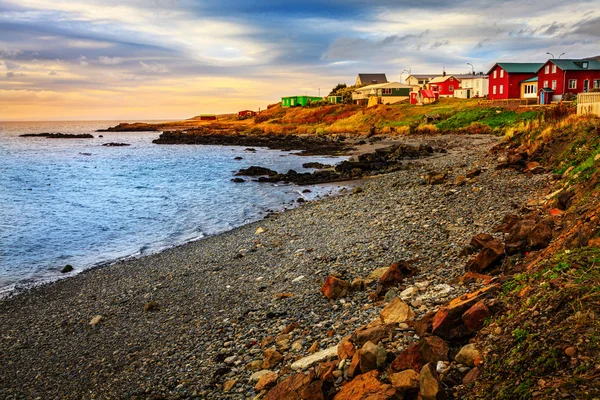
298 101
335 99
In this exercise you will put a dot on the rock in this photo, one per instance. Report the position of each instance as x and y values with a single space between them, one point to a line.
358 285
534 167
357 190
258 374
368 357
334 288
68 268
325 370
377 273
405 381
460 180
396 311
228 385
475 317
314 391
345 349
492 253
291 388
473 173
366 387
448 323
527 235
282 342
256 171
423 325
409 293
541 235
433 349
314 348
408 359
291 327
468 355
238 158
96 320
471 376
430 387
373 334
390 295
259 231
571 351
318 357
254 365
272 358
151 306
394 276
238 180
354 367
113 144
266 380
435 178
316 165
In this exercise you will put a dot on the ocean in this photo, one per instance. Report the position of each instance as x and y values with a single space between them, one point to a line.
76 202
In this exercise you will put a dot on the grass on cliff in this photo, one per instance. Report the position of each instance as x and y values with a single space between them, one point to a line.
547 311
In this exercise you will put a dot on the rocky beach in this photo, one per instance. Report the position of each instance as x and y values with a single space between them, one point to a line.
204 319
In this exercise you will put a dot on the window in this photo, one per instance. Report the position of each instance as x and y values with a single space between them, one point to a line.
387 91
530 89
596 83
451 79
545 84
451 88
572 83
421 82
494 89
584 65
547 69
501 73
553 69
554 84
501 89
495 74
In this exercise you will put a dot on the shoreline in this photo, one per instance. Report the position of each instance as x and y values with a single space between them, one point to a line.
221 296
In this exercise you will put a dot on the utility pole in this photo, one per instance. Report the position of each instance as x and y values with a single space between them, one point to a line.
472 69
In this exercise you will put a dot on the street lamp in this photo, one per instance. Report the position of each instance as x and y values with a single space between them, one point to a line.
561 55
472 68
406 70
550 54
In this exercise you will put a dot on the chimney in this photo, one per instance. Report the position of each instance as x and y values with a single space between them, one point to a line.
444 72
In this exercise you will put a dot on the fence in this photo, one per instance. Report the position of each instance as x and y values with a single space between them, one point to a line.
588 103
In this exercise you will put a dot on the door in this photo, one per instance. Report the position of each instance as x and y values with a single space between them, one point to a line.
586 85
542 97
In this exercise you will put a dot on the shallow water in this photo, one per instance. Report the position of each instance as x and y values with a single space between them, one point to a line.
74 201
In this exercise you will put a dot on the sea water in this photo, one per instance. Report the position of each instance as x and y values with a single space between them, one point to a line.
74 201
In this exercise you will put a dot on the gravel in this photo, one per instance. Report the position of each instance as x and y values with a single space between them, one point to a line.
181 323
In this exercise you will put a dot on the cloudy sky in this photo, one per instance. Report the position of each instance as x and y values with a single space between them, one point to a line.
168 59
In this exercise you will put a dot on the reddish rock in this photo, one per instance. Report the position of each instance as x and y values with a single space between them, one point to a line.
291 327
266 381
541 235
324 370
373 334
424 325
345 348
448 323
595 242
480 240
334 288
314 391
408 359
272 358
430 387
368 357
555 212
354 368
433 349
473 173
393 277
396 311
475 316
366 387
490 255
405 381
508 222
472 277
471 376
291 388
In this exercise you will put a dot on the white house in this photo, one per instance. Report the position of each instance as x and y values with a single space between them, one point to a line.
472 86
389 93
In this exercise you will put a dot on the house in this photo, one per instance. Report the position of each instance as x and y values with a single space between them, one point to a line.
208 117
298 101
370 79
388 93
568 76
529 88
472 85
420 79
422 97
444 85
505 79
246 114
335 99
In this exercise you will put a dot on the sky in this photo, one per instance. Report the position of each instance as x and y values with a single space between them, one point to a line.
174 59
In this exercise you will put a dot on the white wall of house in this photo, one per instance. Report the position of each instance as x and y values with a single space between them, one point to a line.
479 86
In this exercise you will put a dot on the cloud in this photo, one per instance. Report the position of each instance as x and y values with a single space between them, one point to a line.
154 68
53 73
110 60
89 44
83 61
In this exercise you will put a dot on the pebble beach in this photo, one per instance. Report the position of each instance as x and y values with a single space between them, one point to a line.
198 320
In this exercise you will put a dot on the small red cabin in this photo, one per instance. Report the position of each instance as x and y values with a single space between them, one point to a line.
208 117
246 114
423 97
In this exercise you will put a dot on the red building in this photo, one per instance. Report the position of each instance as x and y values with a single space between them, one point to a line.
505 79
558 77
444 85
246 114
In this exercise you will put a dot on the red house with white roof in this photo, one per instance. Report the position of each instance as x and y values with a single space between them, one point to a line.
557 77
444 85
505 79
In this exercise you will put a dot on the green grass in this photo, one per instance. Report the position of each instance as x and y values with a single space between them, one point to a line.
491 117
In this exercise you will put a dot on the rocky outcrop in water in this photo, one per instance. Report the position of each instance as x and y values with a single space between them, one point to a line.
116 144
59 135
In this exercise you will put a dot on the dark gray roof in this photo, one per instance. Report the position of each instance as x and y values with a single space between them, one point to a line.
424 76
470 76
372 78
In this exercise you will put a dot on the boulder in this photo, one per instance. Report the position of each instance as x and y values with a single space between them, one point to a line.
541 235
405 381
315 358
433 349
366 387
368 357
345 349
408 359
475 316
283 342
396 311
256 171
471 376
67 268
373 334
424 325
354 367
255 377
430 387
291 388
266 380
272 358
334 288
492 252
448 323
314 391
468 355
435 178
